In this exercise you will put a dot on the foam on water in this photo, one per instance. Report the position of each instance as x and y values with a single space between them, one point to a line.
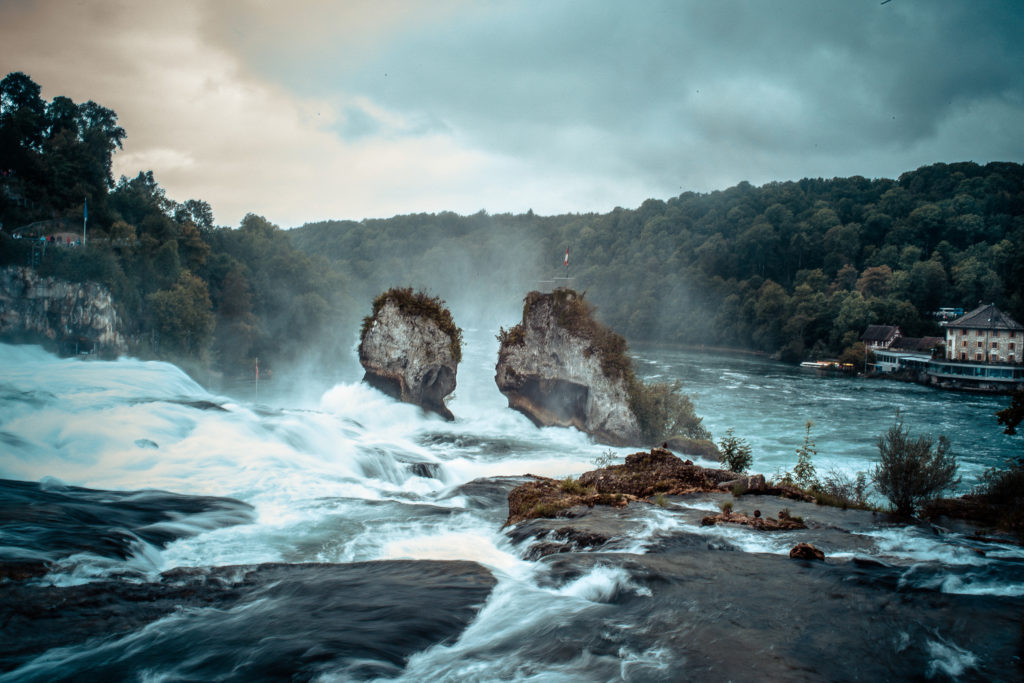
343 481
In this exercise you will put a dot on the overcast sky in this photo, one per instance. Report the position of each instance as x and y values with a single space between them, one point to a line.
317 109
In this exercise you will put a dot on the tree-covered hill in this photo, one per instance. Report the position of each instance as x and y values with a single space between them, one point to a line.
795 268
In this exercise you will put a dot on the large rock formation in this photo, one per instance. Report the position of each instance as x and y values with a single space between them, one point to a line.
560 367
73 316
411 348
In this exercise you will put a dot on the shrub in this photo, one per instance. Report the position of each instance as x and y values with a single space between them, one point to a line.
913 471
804 473
1003 489
606 459
727 507
736 453
570 485
664 411
660 500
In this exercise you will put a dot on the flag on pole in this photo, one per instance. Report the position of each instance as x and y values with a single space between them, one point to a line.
567 257
85 210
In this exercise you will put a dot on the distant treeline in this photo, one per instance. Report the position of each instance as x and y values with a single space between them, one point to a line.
797 269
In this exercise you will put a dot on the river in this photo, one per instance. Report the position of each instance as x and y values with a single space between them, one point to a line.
171 533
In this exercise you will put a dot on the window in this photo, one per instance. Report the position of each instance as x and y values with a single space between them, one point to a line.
964 343
995 345
1012 346
963 356
978 357
994 357
981 344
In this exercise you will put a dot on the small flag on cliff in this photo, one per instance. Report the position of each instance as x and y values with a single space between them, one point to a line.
567 257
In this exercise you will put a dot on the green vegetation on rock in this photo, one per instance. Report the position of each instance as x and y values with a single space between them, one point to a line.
417 304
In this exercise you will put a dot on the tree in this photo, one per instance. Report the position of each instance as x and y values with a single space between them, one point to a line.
182 315
735 452
913 471
1013 414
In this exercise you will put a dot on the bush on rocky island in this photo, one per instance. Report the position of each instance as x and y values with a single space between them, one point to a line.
735 453
913 471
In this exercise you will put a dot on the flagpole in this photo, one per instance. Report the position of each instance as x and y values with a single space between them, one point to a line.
85 218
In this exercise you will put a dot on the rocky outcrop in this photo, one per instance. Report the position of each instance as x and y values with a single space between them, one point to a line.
756 521
642 475
806 551
74 316
752 484
559 367
410 349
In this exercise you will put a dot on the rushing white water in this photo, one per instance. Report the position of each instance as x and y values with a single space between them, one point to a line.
358 476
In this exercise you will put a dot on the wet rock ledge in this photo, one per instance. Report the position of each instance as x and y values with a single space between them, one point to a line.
410 349
643 475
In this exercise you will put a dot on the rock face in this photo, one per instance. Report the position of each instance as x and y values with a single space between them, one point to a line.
77 317
559 367
410 349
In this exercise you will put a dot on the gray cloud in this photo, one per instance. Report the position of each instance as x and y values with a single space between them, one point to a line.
630 87
319 109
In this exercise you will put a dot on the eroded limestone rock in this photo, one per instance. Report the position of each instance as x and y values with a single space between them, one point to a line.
559 367
410 349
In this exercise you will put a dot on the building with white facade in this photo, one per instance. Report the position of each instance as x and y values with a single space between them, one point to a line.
985 335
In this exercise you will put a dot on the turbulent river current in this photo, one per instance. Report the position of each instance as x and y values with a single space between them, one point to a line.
152 530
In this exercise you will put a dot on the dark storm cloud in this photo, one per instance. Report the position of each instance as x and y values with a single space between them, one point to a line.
375 107
646 87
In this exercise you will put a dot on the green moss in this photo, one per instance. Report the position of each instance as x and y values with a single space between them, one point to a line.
570 485
418 304
545 509
514 336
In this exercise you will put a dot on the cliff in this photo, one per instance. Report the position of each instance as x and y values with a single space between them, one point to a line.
74 316
410 349
560 367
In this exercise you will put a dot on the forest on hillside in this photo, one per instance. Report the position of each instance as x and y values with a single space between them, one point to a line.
796 269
